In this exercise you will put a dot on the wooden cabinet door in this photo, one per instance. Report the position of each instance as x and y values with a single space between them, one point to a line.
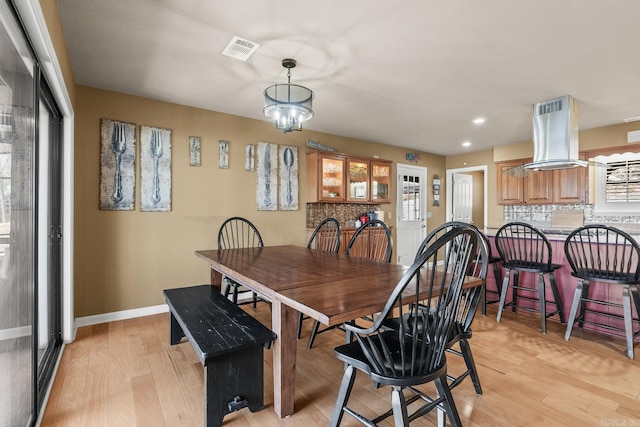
570 185
380 180
325 177
538 187
358 180
510 187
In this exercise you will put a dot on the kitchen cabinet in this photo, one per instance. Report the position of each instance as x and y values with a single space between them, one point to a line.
358 173
510 187
570 185
380 176
325 177
339 178
540 187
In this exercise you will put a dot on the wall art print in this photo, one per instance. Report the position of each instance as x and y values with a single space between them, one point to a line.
155 169
288 178
194 151
117 165
250 158
266 177
223 154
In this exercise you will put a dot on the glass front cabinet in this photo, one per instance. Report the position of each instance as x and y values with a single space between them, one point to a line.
333 177
325 177
380 172
358 180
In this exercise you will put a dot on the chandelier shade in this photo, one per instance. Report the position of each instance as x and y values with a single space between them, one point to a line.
287 104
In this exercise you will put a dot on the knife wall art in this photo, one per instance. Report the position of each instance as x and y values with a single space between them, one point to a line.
155 169
266 177
288 182
117 165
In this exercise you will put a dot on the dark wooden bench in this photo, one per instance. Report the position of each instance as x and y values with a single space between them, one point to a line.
228 342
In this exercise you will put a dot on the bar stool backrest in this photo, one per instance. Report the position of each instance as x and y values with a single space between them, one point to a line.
523 246
603 253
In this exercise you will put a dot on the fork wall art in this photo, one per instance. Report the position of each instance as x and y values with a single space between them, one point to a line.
117 165
155 169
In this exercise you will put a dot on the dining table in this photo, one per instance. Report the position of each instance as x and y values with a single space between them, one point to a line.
329 287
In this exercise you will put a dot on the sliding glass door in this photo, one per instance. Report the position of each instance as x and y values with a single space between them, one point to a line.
49 283
30 234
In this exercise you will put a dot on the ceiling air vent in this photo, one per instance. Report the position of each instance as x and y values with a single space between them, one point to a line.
240 49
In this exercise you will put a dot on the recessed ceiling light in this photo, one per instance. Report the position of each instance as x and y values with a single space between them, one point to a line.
466 144
631 119
479 120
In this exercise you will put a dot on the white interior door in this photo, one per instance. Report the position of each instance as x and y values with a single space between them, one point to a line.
411 211
462 209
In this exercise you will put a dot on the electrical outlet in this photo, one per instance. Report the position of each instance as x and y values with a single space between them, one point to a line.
389 215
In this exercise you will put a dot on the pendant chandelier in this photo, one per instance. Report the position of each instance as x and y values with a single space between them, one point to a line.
288 105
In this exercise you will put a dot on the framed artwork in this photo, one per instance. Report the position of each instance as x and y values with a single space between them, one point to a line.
223 154
155 173
194 151
250 157
117 165
266 177
288 177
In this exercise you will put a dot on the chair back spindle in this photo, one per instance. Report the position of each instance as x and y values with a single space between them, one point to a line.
326 236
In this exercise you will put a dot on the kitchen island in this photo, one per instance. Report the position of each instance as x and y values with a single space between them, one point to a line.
566 282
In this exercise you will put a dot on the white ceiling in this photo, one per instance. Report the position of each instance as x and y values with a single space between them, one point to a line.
407 73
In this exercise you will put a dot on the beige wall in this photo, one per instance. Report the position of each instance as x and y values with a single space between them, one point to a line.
123 260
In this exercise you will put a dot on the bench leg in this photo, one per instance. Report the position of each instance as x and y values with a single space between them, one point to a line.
239 374
175 330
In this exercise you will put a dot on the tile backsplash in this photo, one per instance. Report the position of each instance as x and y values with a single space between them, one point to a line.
345 213
541 214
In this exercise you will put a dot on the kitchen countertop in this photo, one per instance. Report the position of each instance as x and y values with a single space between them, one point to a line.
561 233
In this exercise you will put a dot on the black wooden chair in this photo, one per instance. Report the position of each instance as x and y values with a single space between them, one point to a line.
371 240
461 332
414 354
235 233
601 253
326 237
525 249
493 261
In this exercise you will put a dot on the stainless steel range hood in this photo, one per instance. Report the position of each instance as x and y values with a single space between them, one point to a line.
555 135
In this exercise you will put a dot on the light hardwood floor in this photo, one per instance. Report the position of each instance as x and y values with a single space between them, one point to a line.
125 373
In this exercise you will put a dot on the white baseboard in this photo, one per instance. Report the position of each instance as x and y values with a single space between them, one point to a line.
120 315
128 314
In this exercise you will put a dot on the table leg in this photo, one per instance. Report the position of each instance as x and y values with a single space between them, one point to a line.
216 279
283 323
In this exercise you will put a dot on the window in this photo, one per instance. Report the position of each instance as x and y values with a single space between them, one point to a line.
617 184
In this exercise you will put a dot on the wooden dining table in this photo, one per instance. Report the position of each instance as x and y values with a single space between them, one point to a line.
331 288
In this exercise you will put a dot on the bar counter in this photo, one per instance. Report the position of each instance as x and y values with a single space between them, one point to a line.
566 282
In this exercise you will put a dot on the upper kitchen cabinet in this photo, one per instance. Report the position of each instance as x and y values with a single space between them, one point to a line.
380 173
541 187
339 178
510 187
325 177
570 185
358 183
